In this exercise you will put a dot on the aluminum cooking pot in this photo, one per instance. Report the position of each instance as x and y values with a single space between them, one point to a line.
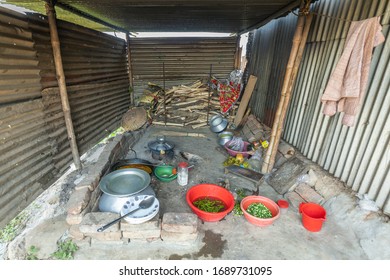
124 182
218 123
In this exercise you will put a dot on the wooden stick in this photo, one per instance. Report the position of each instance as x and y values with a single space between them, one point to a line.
245 99
168 124
55 43
299 42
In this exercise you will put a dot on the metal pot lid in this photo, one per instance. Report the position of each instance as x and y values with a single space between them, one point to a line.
160 145
125 182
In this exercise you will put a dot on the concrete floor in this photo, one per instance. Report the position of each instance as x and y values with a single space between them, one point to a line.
349 233
344 235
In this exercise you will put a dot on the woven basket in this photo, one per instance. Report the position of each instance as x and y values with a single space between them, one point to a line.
134 118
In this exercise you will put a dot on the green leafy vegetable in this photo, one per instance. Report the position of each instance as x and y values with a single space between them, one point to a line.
209 205
237 210
259 210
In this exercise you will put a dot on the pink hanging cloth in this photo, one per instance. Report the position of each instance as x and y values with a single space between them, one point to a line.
347 83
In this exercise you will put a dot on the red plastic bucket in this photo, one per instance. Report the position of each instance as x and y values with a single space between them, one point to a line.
313 215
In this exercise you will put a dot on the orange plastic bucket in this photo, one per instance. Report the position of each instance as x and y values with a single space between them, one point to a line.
313 215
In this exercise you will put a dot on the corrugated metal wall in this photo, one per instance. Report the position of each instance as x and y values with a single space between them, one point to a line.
185 59
95 66
359 155
270 53
34 149
18 59
25 148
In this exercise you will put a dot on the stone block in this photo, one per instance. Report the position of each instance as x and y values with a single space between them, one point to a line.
94 220
285 178
309 194
74 219
152 224
90 181
75 233
106 236
176 237
97 242
78 200
142 234
294 199
136 241
180 222
83 243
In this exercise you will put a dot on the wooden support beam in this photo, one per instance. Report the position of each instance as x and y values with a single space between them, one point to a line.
55 43
299 43
245 99
130 69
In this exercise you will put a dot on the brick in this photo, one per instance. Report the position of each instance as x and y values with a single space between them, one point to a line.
309 194
136 241
83 243
90 182
294 199
152 224
75 233
97 242
180 222
94 220
78 200
176 237
106 236
142 234
74 219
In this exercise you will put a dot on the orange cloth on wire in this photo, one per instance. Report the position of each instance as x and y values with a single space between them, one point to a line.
347 83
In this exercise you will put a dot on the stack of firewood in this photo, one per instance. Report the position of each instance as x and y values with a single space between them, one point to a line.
186 105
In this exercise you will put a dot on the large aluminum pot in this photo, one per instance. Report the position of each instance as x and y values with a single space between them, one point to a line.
218 123
109 203
119 185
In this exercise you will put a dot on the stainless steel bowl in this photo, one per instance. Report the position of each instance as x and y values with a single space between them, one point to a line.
218 123
224 137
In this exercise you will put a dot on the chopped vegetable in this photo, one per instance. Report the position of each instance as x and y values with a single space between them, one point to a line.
237 210
259 210
209 205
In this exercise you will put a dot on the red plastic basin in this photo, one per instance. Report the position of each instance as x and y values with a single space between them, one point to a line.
212 191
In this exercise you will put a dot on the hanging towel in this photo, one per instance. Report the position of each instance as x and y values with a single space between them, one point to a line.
347 83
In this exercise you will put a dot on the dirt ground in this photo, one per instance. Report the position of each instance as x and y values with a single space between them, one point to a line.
350 232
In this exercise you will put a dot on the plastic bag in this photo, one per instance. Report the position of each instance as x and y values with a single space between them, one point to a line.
236 144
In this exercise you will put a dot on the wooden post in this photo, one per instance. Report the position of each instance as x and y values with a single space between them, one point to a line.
55 43
237 54
130 69
165 96
250 86
299 42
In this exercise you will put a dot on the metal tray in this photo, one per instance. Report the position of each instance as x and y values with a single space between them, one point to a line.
125 182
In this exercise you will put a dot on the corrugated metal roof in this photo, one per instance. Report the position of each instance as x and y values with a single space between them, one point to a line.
229 16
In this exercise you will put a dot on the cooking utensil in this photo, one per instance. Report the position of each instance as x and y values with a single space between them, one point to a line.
144 204
124 182
133 163
114 204
218 123
142 215
161 148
